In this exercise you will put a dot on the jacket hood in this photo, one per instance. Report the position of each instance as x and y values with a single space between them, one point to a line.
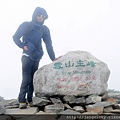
37 11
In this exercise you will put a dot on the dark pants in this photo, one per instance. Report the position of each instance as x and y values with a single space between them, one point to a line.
28 69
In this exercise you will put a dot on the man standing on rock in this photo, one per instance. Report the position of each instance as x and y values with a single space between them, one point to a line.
32 34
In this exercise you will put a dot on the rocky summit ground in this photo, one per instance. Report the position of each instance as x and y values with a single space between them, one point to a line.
64 108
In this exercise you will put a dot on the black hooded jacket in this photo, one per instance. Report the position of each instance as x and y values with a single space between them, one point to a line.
32 34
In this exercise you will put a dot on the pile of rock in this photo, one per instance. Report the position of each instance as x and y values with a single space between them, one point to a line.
78 105
75 84
92 104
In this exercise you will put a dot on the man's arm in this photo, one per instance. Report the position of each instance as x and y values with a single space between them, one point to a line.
48 42
19 33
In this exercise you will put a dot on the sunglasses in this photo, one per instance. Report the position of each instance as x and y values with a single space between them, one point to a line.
39 15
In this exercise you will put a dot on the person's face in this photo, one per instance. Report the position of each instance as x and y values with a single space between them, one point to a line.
40 17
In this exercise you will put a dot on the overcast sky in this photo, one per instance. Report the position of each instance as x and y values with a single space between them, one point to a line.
86 25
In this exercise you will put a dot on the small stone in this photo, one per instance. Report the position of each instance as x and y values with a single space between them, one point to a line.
80 101
39 102
116 106
55 100
2 110
107 109
104 104
98 109
93 99
68 98
13 102
79 109
112 100
67 106
54 108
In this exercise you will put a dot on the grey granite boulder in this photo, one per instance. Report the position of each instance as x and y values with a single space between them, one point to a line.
76 73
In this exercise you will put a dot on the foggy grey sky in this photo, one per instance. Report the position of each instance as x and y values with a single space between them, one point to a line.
86 25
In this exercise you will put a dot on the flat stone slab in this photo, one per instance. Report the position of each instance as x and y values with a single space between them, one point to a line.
17 111
69 112
45 113
55 108
115 111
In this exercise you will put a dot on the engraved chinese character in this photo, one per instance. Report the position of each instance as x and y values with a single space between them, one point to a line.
69 64
91 63
58 65
80 63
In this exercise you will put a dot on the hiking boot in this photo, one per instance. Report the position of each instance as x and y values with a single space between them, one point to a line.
22 105
30 104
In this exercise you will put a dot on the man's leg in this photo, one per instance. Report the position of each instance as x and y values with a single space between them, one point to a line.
26 78
31 88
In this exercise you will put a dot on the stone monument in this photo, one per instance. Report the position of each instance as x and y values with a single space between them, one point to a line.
76 73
